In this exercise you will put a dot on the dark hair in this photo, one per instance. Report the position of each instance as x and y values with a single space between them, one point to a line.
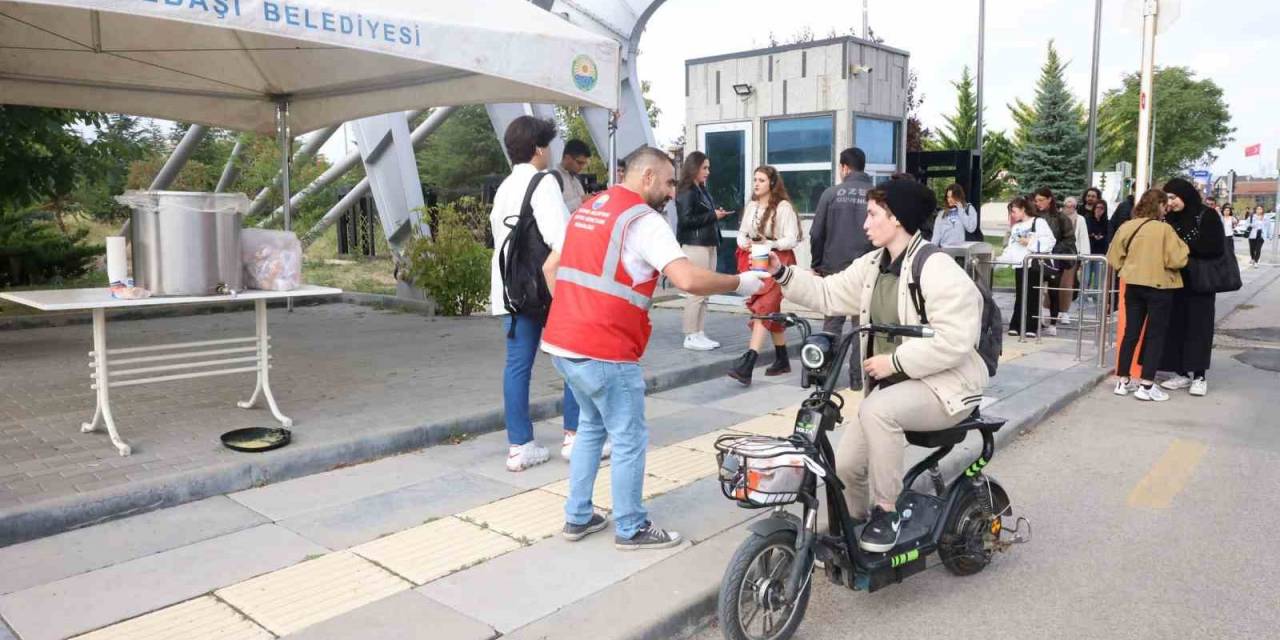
1021 203
577 149
777 195
1046 192
1226 208
956 191
1085 196
1100 203
689 170
525 135
1149 204
854 158
902 175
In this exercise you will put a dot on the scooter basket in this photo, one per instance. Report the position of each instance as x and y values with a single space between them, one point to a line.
759 471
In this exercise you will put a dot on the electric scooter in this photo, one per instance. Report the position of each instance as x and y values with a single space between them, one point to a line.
766 586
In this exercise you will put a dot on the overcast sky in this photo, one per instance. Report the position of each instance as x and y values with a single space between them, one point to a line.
1231 41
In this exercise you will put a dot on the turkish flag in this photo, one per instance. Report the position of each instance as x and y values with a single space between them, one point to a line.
1253 150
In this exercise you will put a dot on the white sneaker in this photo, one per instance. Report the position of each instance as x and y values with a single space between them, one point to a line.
1123 387
1050 330
695 342
566 450
1176 382
1199 387
523 456
1151 394
1064 318
713 343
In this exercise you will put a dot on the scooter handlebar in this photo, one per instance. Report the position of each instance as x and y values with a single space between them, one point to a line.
901 330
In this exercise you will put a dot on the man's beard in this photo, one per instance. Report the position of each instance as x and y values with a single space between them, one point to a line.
657 202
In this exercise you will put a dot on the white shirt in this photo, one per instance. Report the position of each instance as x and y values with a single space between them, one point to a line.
647 248
1082 235
785 226
1042 241
549 214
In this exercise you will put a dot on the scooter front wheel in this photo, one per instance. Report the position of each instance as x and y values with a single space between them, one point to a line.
753 603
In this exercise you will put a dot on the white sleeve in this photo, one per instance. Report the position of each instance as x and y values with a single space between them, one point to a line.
748 221
654 241
1045 240
788 227
550 212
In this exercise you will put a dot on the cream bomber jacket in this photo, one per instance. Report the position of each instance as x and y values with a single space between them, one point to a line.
948 363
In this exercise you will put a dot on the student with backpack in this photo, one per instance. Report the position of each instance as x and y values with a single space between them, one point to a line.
922 384
528 225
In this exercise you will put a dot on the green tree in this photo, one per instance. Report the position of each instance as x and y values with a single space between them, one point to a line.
1053 154
118 142
38 153
917 134
458 156
1024 115
960 133
1191 122
574 126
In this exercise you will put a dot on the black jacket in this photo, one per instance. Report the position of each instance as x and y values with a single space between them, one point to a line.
696 218
1099 235
837 238
1122 214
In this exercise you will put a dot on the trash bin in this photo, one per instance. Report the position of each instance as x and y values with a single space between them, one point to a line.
975 258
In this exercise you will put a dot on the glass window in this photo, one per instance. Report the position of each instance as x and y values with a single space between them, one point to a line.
805 188
878 138
727 151
798 140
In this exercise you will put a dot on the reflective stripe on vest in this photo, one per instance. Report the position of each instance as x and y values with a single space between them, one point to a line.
607 282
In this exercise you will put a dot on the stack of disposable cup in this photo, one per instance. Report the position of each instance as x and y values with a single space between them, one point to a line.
117 263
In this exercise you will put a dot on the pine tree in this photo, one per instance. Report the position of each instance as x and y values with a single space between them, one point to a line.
1053 154
962 126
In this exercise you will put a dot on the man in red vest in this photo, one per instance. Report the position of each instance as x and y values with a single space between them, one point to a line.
615 246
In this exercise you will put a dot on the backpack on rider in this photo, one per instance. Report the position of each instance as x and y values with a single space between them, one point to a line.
990 335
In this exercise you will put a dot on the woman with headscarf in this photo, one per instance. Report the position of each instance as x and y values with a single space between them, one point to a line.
1189 341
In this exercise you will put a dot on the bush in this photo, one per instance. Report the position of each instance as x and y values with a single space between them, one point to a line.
33 251
453 265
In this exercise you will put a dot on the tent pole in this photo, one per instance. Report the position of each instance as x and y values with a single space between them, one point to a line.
613 148
286 153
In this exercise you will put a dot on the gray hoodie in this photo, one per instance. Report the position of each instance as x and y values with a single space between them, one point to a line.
837 238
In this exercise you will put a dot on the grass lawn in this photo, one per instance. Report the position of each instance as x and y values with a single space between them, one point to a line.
1003 277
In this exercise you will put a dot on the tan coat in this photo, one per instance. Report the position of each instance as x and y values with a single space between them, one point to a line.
1153 259
948 363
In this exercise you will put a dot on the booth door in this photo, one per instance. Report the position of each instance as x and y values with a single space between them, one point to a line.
728 147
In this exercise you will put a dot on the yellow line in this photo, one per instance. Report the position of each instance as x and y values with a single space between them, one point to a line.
1168 475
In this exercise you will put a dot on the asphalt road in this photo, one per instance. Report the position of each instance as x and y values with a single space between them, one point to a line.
1150 521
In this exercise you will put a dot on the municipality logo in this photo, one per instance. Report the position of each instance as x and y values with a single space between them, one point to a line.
585 73
600 202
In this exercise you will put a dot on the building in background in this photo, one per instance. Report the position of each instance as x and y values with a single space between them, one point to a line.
795 107
1251 192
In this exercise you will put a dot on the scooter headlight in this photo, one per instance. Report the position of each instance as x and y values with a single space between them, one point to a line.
813 356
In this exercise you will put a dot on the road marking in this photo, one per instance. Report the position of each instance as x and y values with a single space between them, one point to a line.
1168 476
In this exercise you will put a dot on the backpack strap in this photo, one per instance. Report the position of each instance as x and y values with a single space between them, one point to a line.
1135 234
917 269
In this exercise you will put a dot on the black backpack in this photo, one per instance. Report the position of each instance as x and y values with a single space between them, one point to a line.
520 261
990 336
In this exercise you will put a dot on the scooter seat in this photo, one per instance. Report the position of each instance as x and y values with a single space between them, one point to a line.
955 435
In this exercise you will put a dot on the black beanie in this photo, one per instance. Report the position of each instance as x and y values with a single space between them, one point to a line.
910 202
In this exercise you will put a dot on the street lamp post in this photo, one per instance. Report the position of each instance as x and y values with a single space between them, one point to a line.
1093 92
1145 98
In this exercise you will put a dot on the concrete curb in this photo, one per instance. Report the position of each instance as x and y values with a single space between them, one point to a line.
28 522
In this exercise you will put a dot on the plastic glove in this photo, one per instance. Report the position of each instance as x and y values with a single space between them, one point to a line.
750 283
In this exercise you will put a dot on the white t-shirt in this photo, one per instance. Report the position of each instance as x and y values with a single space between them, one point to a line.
1042 241
549 214
648 247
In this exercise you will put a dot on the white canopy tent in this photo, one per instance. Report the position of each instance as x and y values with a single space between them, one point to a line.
276 65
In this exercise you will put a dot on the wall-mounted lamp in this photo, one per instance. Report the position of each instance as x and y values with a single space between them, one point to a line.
742 90
858 69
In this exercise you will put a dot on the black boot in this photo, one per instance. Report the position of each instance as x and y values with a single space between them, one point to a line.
743 367
781 363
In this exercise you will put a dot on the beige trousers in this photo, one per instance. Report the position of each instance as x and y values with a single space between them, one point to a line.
695 307
869 459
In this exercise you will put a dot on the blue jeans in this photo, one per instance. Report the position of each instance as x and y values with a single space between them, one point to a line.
521 350
612 403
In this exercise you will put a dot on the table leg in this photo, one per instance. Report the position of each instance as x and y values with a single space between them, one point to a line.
102 413
263 385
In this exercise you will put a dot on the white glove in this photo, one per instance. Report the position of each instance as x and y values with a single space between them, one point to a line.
750 283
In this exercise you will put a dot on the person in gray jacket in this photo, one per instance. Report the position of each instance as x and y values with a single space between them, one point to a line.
837 237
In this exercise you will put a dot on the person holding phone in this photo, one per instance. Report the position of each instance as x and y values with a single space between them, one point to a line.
698 231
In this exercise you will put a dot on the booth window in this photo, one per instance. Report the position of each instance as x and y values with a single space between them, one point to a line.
878 139
801 150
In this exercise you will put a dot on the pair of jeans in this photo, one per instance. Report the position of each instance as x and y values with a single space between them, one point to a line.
1149 306
522 348
611 397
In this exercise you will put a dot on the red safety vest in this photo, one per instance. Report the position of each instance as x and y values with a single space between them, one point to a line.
598 311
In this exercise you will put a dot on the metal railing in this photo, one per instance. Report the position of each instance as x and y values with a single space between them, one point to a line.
1099 325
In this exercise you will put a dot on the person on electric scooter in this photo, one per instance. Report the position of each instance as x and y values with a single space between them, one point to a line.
909 384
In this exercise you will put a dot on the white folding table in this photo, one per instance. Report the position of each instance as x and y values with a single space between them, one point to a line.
178 361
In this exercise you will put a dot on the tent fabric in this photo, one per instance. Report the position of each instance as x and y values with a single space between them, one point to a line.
228 63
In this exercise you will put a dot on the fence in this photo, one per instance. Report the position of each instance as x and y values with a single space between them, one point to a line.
1099 325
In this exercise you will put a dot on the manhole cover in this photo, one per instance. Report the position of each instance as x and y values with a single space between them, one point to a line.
1265 359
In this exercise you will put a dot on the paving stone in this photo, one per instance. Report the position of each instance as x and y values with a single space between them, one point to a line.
525 585
763 399
486 456
692 422
205 617
680 465
293 497
602 491
773 424
408 615
436 549
368 518
698 511
92 600
294 598
529 516
707 392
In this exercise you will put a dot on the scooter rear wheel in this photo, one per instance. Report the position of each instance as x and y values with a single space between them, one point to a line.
964 550
752 601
